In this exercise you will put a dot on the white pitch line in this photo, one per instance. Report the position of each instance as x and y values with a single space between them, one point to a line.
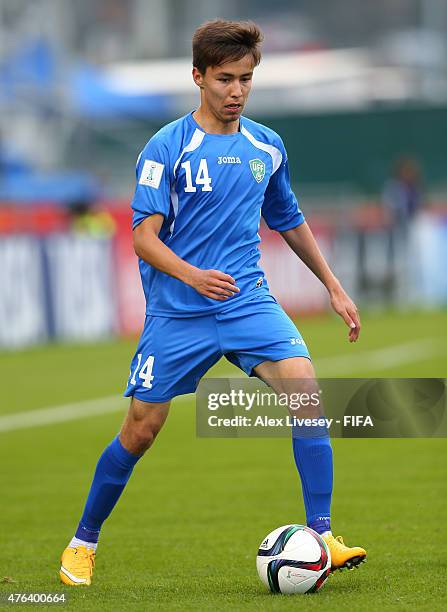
61 413
379 359
66 412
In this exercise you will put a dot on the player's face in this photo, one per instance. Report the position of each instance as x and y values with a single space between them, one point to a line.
225 88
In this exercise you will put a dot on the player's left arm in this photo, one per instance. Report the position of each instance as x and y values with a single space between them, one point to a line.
301 240
282 213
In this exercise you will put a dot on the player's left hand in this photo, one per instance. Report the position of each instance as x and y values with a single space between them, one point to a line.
345 307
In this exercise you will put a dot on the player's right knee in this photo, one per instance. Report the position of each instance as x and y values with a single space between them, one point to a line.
143 437
142 425
141 433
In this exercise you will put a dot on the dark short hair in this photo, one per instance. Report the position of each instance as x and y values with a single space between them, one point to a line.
217 42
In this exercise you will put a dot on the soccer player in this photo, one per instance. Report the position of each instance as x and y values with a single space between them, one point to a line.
203 183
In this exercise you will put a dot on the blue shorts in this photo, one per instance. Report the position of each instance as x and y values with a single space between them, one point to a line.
174 353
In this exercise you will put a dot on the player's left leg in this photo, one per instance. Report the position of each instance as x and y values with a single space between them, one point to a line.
311 447
313 455
262 340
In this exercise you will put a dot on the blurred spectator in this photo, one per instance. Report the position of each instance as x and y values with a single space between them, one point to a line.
402 194
402 199
85 219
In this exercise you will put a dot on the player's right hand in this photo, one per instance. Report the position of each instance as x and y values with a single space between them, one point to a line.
214 284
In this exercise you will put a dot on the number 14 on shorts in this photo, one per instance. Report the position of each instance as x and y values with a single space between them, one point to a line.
145 372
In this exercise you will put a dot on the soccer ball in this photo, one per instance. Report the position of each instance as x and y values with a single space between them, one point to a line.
293 559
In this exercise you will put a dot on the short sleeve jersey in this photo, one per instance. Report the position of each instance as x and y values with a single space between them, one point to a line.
212 190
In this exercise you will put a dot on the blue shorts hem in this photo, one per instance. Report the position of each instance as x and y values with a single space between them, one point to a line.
156 400
251 373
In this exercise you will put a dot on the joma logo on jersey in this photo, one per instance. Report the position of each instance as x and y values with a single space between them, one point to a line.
228 159
297 341
258 169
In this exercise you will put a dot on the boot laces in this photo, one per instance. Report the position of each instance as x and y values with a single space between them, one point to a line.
80 557
340 544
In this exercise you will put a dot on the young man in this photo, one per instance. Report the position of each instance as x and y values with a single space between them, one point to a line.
203 182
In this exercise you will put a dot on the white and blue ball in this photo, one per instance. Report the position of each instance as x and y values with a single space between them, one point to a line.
293 559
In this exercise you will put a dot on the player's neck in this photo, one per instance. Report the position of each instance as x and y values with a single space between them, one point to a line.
211 124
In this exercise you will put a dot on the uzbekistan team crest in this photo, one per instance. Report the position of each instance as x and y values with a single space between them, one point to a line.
258 169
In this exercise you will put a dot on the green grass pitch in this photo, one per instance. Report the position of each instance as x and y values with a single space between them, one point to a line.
185 534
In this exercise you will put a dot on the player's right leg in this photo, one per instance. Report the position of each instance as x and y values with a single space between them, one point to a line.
167 363
140 428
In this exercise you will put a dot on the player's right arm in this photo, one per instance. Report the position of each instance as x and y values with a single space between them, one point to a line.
151 206
213 284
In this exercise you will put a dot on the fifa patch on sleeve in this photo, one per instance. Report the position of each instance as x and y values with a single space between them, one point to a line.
151 173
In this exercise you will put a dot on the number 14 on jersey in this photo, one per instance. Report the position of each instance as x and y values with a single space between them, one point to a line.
202 177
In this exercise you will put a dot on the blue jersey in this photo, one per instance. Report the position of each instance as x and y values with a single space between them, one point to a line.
212 190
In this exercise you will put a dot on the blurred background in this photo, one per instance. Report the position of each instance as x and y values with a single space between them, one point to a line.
358 92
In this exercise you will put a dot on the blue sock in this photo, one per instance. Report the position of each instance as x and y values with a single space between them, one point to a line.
112 473
313 458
